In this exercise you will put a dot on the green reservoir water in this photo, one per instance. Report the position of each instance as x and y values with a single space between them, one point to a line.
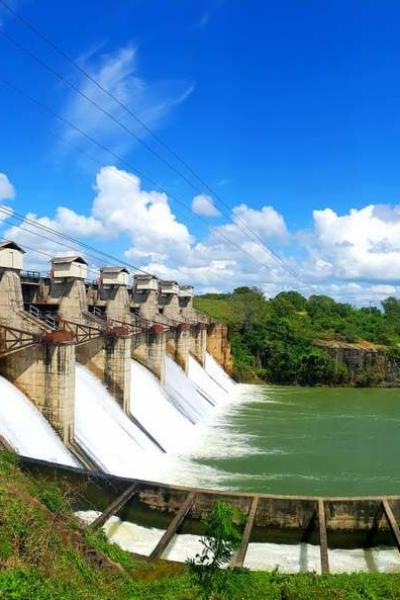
328 441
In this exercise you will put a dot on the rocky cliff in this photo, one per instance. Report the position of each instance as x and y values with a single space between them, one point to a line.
218 345
367 363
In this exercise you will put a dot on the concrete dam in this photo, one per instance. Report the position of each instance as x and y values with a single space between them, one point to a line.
109 387
102 375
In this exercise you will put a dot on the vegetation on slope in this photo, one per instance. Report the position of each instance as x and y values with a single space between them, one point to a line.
275 339
44 556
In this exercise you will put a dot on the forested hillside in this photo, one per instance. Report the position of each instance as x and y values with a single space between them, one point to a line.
274 340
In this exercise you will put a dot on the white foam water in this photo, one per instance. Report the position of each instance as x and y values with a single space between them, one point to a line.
154 410
206 385
118 446
288 558
216 372
107 434
25 428
186 398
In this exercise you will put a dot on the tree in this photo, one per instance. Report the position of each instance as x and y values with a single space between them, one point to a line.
220 539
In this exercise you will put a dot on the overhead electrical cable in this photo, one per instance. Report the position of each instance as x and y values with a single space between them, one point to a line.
100 145
238 221
58 242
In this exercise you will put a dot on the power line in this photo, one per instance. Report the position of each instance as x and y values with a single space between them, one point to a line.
240 223
20 218
100 145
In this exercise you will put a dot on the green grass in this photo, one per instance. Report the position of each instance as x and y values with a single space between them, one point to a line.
40 560
219 309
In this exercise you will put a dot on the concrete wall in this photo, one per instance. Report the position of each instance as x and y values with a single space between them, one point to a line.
117 302
46 375
146 302
287 512
70 295
108 358
169 304
149 348
198 342
11 301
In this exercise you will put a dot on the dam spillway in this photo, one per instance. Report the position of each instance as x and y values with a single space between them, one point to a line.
26 430
132 383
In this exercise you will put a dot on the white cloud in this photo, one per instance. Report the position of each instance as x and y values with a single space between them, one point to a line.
7 191
362 244
257 225
204 205
354 257
123 206
117 72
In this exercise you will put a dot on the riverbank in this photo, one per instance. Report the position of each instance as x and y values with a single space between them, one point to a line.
291 339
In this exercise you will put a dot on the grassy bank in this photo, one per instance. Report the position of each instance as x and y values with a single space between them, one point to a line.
45 554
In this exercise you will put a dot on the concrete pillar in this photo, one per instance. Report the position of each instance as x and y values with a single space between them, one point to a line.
70 294
45 373
11 301
157 351
117 375
117 303
182 344
198 342
149 348
169 304
147 301
108 357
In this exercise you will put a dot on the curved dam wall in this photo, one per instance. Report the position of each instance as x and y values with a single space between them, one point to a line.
359 514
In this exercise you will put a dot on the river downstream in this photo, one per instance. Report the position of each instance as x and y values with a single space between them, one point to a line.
317 441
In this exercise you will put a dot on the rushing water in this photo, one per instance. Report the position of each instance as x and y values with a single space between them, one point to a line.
289 558
25 428
323 441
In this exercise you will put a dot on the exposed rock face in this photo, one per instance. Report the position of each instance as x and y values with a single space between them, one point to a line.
218 345
374 359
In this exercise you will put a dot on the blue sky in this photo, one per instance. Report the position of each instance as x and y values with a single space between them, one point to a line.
289 111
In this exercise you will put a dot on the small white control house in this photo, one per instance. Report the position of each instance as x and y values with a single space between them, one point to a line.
74 267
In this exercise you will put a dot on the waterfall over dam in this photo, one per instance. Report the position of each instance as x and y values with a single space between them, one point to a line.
23 426
120 446
156 412
105 375
185 396
174 416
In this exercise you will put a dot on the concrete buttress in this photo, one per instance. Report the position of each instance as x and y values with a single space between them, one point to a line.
198 342
108 357
45 373
149 348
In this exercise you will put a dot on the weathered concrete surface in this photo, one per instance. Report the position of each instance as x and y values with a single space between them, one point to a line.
198 342
289 512
11 301
46 375
149 348
146 303
108 357
186 307
70 295
169 305
117 302
218 345
180 343
182 346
